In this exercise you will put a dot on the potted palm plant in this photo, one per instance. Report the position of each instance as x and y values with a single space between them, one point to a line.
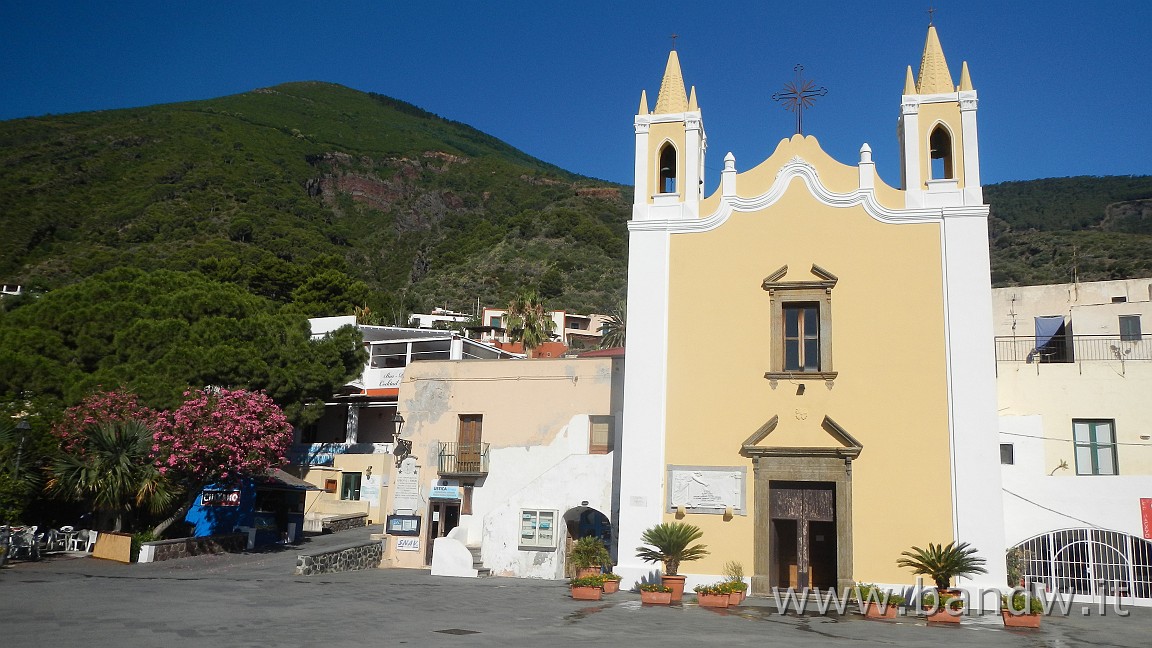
942 563
588 556
670 543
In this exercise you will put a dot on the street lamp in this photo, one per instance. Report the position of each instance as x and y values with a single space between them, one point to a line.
403 448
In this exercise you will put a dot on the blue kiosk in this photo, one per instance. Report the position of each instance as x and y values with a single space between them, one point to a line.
269 508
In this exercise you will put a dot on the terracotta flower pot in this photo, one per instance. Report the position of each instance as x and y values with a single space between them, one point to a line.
735 598
656 598
677 585
872 611
943 616
586 593
585 572
712 600
1020 620
611 586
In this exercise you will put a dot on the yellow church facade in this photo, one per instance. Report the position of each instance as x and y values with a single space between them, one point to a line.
811 378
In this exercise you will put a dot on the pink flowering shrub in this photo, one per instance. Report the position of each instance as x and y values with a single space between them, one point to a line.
96 408
219 435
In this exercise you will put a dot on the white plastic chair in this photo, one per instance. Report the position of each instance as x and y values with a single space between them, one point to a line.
76 542
91 541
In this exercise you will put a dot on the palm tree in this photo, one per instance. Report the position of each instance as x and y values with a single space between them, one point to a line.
942 562
612 331
113 470
671 545
529 321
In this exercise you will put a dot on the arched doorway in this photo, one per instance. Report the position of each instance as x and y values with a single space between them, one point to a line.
583 521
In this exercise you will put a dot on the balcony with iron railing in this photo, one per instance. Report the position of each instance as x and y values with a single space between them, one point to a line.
463 459
1074 348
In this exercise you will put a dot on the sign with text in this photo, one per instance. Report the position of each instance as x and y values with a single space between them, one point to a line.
370 490
1146 516
445 489
220 498
408 544
407 488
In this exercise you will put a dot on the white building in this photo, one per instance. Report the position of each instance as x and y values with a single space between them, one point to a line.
1074 377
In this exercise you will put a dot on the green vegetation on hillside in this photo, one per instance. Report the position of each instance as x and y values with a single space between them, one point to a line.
1057 230
270 188
159 333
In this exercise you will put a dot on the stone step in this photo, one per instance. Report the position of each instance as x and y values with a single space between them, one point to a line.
478 563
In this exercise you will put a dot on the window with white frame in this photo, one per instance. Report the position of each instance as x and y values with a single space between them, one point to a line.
1095 442
537 529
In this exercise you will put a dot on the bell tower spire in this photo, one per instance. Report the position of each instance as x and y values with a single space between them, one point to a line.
670 147
940 161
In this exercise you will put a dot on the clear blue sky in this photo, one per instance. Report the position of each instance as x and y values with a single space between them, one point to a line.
1065 87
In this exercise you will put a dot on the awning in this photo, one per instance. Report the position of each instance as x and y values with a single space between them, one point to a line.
277 479
1046 328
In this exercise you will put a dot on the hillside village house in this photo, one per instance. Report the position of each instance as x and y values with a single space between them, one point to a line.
1074 375
348 451
509 462
862 418
575 331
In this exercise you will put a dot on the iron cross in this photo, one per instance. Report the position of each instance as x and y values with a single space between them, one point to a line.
798 95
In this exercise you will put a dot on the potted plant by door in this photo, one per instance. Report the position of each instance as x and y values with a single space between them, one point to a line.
655 594
611 582
587 588
876 603
670 543
588 556
715 595
1021 610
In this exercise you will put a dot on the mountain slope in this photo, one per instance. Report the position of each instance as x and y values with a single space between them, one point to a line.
323 196
254 187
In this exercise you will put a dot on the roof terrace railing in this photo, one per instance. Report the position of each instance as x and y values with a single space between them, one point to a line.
1075 348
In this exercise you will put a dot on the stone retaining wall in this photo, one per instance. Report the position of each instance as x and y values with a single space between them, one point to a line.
363 555
345 522
185 547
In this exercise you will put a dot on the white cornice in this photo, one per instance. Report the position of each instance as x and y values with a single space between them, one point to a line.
668 118
798 168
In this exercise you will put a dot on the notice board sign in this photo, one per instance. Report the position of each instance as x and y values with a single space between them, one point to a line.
1146 516
403 525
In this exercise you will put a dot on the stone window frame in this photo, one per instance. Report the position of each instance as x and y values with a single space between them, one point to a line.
780 293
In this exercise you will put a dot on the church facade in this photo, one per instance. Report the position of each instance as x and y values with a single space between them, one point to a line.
855 415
